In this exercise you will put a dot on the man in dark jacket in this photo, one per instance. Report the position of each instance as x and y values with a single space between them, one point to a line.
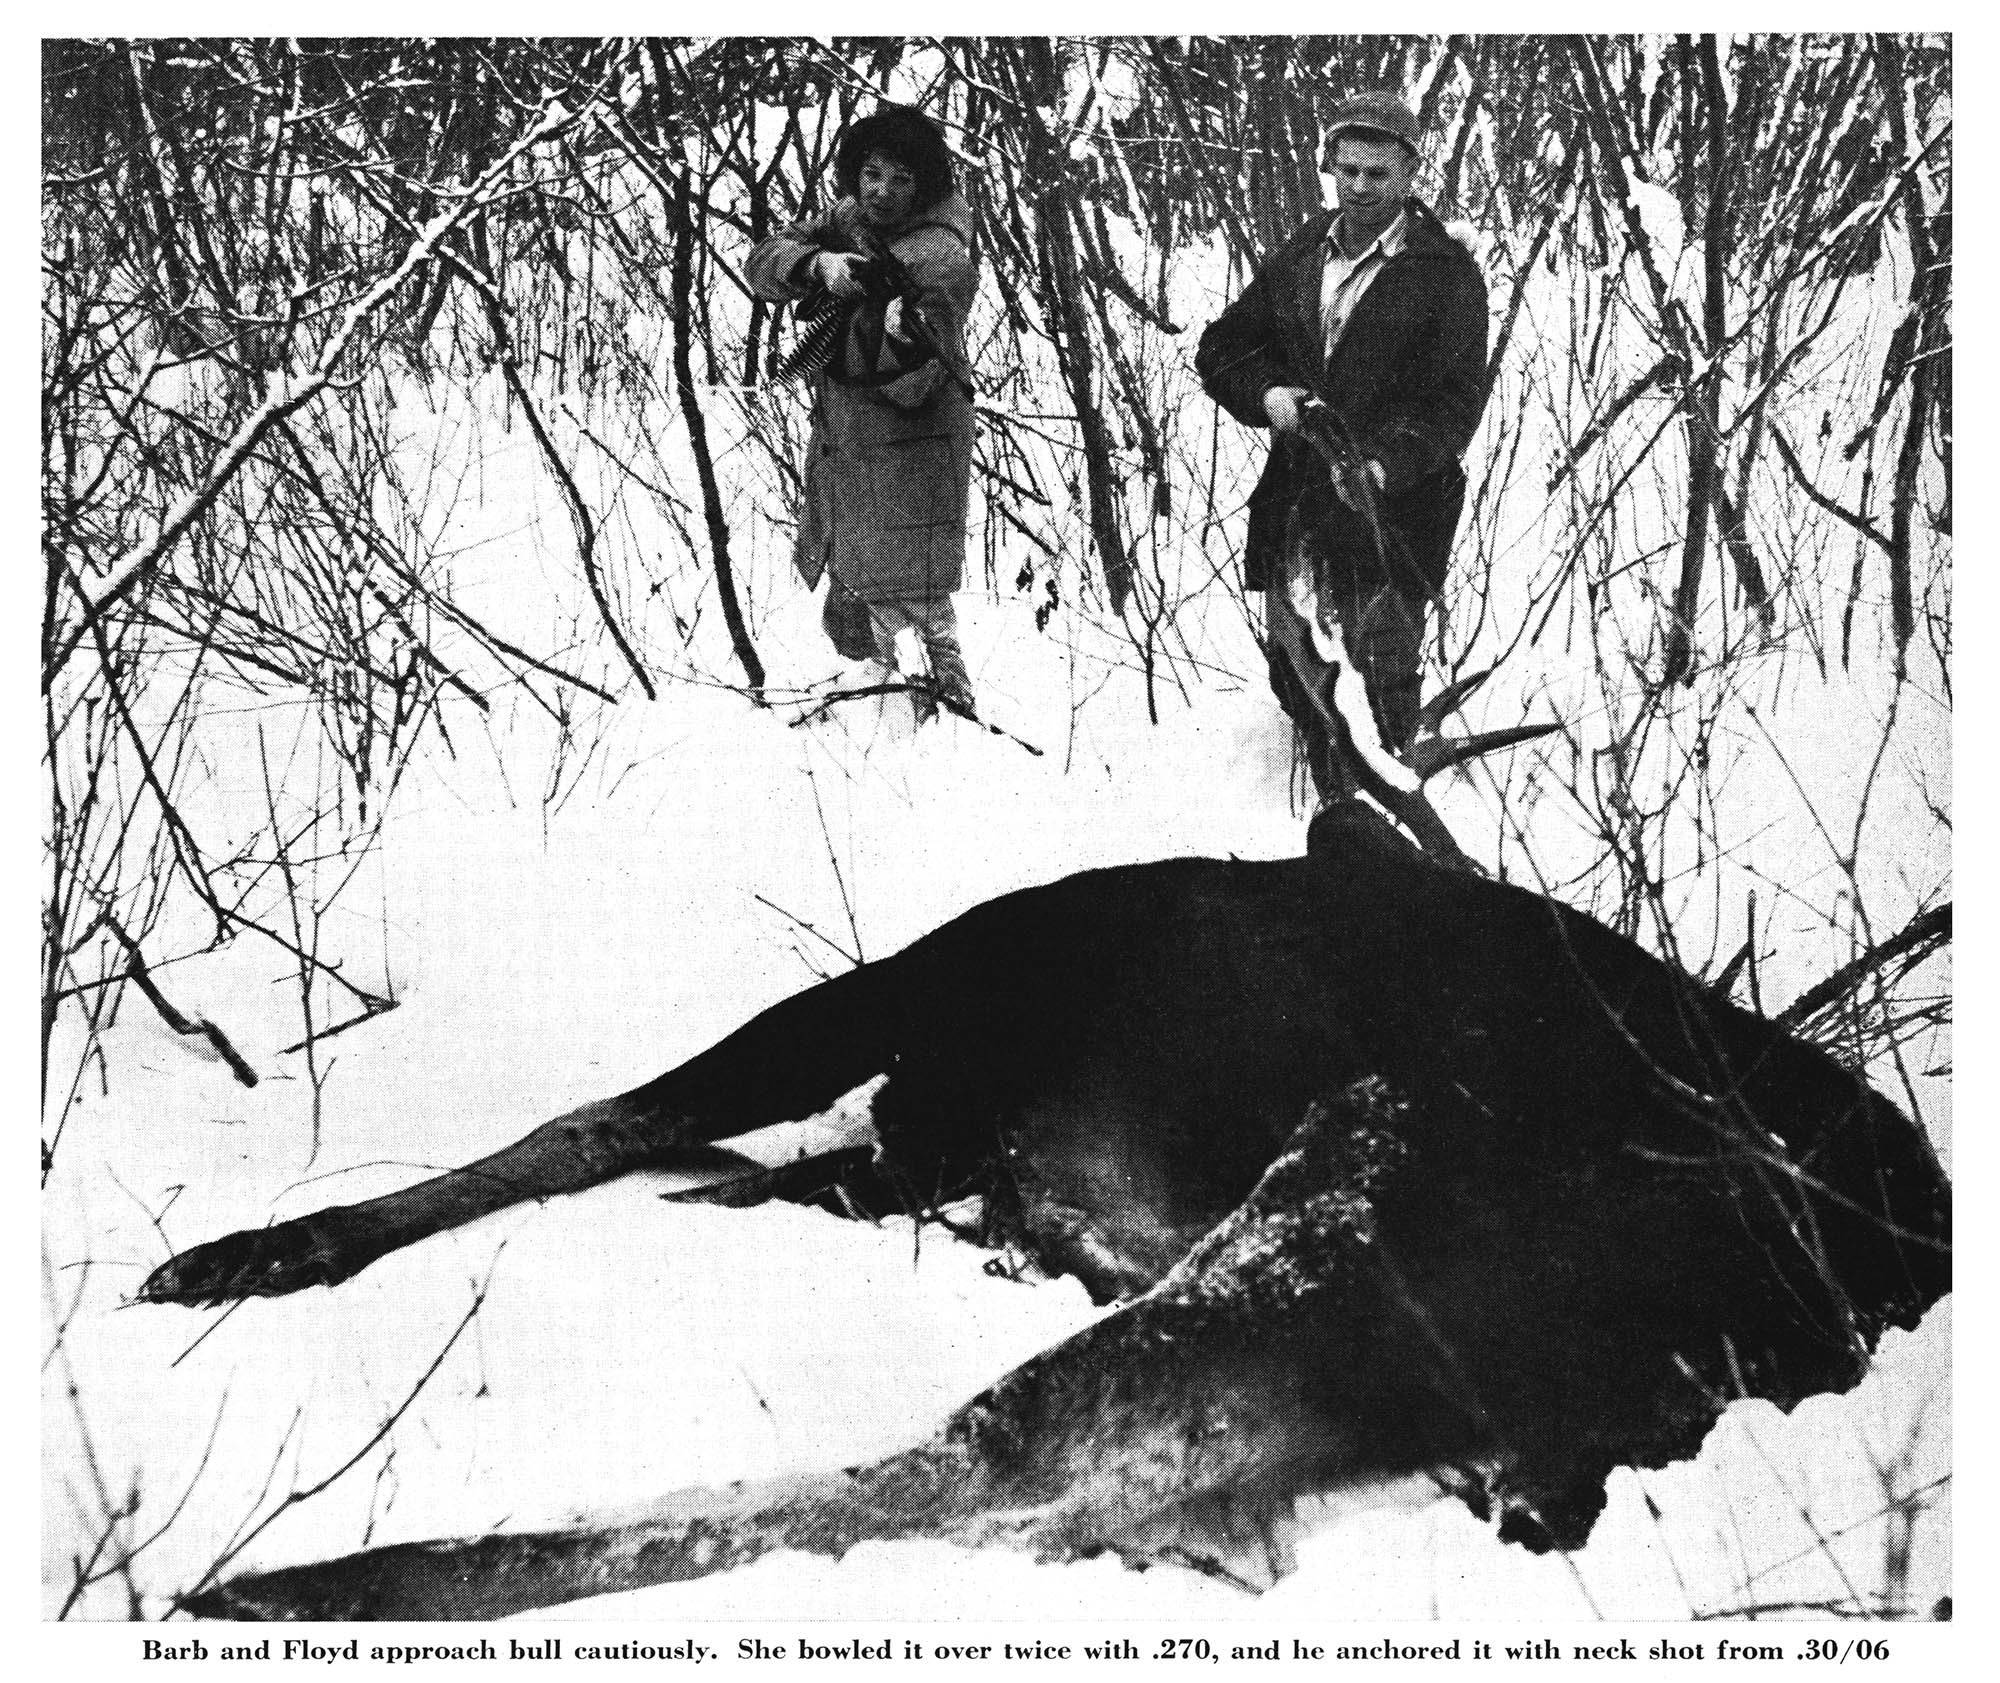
1378 312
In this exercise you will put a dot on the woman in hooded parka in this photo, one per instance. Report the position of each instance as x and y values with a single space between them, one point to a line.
889 462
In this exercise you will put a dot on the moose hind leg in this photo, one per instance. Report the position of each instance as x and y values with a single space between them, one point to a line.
1183 1426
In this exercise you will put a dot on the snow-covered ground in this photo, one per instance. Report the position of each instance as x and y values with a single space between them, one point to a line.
559 935
624 1347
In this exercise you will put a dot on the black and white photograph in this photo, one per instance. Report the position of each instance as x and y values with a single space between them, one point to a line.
926 850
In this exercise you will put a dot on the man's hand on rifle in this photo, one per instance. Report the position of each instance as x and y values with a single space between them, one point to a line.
1349 492
1285 407
1357 479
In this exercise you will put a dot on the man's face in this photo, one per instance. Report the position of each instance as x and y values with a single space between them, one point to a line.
1373 179
887 191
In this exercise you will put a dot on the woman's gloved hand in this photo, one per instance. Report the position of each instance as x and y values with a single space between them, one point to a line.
837 272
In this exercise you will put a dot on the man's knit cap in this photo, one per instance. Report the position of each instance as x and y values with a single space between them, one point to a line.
1379 115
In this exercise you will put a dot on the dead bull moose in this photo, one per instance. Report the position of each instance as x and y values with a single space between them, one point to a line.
1406 1172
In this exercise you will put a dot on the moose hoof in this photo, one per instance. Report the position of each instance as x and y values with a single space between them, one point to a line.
266 1262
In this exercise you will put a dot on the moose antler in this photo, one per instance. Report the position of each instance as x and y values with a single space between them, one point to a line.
1394 781
1315 643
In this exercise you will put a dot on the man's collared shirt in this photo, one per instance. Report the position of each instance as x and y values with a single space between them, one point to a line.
1346 278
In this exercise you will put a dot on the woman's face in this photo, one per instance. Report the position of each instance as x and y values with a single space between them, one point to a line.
888 190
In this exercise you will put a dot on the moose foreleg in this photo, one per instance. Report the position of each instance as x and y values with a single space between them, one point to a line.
1179 1428
587 1146
787 1063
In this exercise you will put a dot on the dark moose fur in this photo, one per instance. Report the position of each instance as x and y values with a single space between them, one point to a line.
1449 1178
